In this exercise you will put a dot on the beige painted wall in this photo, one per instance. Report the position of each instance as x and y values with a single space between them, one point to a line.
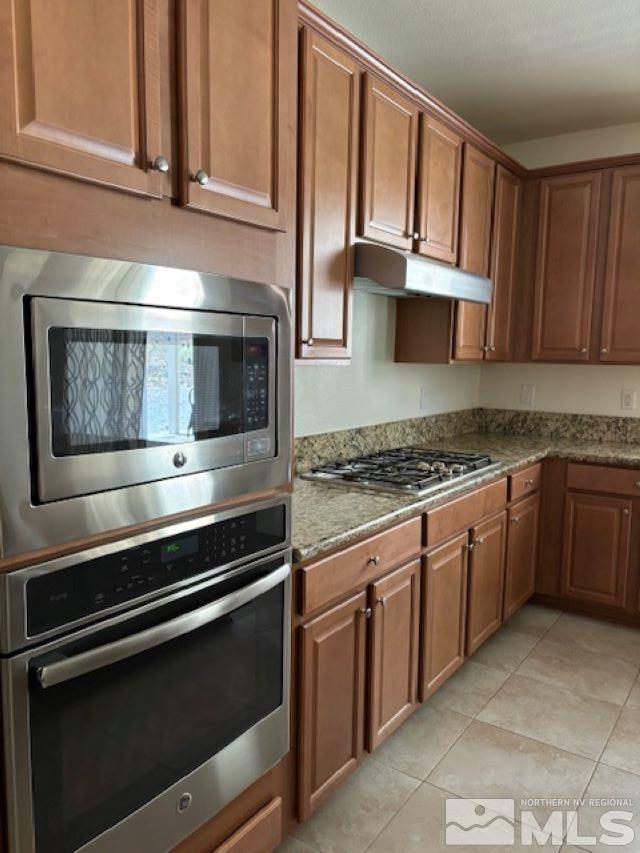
580 388
570 147
373 388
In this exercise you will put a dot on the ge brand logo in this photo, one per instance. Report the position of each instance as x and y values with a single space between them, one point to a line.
184 802
179 459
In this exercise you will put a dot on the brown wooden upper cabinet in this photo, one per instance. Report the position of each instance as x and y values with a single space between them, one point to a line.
329 121
81 90
475 242
565 266
440 163
388 167
620 340
236 130
504 257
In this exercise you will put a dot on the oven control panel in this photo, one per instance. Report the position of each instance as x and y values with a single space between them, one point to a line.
59 597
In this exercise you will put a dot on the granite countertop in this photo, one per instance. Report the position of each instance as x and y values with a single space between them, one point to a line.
327 516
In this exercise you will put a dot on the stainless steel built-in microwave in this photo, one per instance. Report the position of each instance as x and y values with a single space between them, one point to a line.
130 392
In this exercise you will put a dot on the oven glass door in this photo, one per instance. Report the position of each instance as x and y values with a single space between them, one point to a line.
128 394
184 682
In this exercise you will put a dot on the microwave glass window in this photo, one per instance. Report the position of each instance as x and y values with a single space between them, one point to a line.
124 390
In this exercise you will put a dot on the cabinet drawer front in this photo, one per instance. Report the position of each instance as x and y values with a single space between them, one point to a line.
597 478
356 566
443 522
259 834
525 482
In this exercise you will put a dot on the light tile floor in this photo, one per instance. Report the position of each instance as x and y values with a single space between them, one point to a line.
549 707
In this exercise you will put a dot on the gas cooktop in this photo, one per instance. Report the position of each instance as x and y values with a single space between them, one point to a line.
408 470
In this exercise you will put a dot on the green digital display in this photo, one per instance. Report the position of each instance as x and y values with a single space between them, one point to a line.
178 548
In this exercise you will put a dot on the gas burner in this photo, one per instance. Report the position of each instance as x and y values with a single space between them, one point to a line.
408 470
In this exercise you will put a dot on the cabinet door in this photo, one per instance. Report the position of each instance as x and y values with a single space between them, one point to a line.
236 64
438 190
332 700
393 681
565 267
486 580
597 548
389 165
504 245
475 243
522 553
81 89
444 593
621 321
328 187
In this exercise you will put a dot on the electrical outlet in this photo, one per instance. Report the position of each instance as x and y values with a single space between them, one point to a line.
424 399
527 394
628 399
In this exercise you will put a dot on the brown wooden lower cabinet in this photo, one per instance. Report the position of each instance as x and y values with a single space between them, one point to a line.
393 675
597 548
486 580
444 590
260 834
522 553
332 700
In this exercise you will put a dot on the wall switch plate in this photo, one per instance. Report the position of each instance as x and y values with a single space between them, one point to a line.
424 399
527 394
628 399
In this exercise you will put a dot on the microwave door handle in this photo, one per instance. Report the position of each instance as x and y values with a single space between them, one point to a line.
85 662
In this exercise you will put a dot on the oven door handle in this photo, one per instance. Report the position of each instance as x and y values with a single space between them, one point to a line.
85 662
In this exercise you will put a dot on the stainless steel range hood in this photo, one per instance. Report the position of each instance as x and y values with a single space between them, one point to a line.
390 272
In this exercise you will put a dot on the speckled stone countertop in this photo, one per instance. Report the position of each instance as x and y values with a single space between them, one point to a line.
327 516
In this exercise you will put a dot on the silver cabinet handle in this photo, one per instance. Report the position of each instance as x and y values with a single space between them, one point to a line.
515 519
479 542
604 350
373 561
201 177
470 546
381 601
309 342
625 511
528 482
583 350
85 662
160 164
366 612
416 236
637 484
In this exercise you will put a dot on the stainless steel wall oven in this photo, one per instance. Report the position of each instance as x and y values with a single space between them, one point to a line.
145 684
129 392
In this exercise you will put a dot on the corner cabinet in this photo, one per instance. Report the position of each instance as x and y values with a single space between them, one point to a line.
390 124
237 70
504 257
620 340
568 220
81 91
328 170
475 242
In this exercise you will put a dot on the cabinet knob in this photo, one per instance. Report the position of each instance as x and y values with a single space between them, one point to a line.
625 511
373 561
201 177
479 542
604 350
366 612
583 350
493 349
308 342
160 164
470 546
528 482
416 236
515 519
485 349
637 484
381 601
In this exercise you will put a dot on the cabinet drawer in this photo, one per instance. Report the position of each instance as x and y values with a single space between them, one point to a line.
525 482
357 565
260 834
443 522
598 478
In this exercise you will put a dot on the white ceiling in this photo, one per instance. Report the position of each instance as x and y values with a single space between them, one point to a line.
516 69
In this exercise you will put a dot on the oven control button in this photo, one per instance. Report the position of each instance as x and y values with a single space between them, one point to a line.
179 459
184 802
